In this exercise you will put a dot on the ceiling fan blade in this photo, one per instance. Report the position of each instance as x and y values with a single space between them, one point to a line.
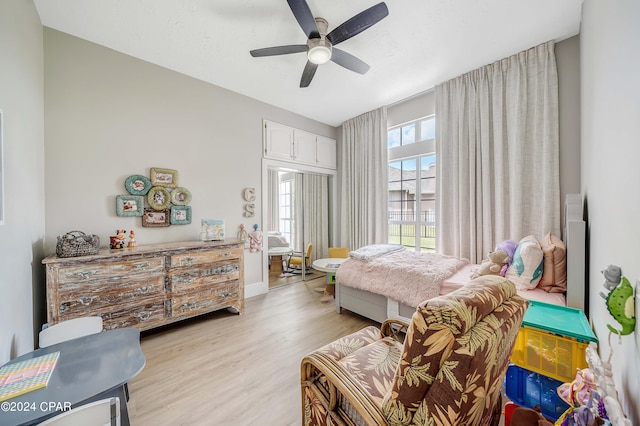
358 23
349 61
305 18
308 73
279 50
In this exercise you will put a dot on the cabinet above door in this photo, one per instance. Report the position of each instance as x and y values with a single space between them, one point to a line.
289 144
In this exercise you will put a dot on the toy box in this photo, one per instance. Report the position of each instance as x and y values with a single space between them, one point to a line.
552 341
528 389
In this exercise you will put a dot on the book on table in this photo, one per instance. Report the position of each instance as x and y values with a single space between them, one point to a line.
26 376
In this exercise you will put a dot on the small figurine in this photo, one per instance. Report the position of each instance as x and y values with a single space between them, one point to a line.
255 240
117 242
243 236
132 239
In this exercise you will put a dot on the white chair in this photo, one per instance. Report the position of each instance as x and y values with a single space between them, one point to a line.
105 412
70 329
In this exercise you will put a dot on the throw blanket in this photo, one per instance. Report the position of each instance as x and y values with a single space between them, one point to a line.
368 253
405 276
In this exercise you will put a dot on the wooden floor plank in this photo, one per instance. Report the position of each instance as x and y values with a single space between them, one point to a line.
228 369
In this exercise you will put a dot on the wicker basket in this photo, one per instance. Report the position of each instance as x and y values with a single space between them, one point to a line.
77 243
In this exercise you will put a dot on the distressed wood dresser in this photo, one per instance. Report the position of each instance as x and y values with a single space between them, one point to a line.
147 286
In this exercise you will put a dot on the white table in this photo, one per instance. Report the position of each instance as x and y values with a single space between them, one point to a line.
329 265
276 253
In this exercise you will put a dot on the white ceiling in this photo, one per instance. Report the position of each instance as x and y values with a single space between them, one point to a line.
420 44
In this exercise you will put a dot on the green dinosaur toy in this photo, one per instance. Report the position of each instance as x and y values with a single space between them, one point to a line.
621 305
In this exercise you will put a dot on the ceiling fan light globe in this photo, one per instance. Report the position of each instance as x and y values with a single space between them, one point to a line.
319 51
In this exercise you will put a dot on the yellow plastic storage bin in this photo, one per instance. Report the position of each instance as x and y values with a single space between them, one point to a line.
552 341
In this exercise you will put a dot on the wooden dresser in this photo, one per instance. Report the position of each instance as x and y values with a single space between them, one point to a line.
147 286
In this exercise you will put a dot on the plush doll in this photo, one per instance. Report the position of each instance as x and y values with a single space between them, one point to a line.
493 264
509 247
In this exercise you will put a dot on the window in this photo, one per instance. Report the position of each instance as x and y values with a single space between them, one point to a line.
286 206
412 184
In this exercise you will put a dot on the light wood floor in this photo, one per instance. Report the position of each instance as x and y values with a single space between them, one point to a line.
228 369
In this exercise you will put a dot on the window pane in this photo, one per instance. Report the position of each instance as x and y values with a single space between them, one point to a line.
393 138
408 235
428 177
408 134
395 173
428 129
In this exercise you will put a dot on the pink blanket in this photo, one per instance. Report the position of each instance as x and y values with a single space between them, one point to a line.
406 276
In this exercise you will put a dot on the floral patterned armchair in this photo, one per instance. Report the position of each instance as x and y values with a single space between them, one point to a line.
448 371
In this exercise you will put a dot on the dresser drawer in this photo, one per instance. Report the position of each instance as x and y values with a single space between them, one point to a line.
189 279
218 296
142 316
110 270
204 257
90 297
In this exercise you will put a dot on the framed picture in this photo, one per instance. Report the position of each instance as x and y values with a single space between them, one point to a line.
180 215
129 205
156 218
180 196
212 229
137 185
164 177
159 198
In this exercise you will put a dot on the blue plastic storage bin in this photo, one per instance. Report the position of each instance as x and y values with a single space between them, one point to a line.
528 389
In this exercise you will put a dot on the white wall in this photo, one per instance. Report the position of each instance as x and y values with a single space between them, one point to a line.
21 99
109 116
610 88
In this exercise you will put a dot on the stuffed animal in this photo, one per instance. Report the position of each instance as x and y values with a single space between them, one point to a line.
493 264
509 247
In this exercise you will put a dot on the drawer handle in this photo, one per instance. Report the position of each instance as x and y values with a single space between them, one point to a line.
142 265
225 269
143 290
143 316
188 305
83 274
225 254
86 301
188 260
184 278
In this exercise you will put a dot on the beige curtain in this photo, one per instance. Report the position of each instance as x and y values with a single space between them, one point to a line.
363 180
498 154
316 218
274 200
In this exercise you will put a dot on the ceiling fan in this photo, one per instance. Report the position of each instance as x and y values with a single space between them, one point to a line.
320 44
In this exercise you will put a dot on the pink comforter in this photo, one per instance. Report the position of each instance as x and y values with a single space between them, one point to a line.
406 276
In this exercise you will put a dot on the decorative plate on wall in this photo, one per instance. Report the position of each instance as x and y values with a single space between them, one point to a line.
137 185
159 198
180 196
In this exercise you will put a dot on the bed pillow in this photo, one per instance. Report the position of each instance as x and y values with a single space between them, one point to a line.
525 270
554 274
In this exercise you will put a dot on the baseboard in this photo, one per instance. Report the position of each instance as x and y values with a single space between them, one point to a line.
255 289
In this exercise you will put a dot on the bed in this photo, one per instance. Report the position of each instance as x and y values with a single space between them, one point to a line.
372 301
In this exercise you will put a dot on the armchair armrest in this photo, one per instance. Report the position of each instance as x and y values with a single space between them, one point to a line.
325 381
395 328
